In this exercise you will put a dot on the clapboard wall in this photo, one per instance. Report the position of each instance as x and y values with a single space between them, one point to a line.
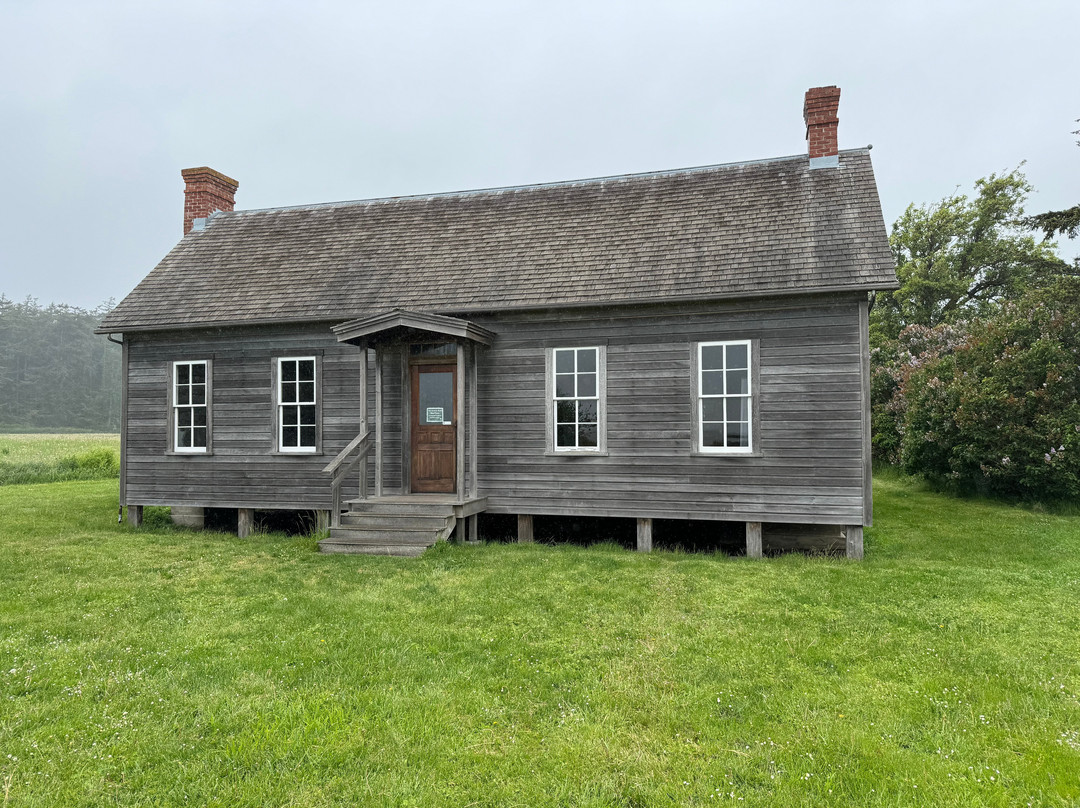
243 470
812 464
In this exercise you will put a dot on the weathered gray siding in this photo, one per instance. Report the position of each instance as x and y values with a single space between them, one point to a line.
809 466
810 401
242 471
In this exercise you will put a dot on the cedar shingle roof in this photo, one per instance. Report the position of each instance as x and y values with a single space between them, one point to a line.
748 229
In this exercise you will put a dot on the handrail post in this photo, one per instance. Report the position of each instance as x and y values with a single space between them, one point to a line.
340 467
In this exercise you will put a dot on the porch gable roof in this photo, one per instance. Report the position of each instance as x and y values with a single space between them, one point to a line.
365 328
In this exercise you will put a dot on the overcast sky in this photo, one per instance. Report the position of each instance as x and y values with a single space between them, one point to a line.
102 103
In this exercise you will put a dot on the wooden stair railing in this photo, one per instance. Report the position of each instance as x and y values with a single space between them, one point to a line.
357 450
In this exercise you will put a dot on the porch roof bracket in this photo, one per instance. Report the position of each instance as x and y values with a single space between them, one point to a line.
367 328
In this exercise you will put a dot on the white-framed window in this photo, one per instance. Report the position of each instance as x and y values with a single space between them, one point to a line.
297 404
189 407
725 405
577 386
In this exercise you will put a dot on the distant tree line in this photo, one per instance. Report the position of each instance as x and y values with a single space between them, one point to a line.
55 373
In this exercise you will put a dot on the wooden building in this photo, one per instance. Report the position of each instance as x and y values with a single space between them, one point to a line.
687 344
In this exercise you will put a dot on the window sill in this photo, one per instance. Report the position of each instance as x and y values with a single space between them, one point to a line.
729 455
317 453
575 453
173 453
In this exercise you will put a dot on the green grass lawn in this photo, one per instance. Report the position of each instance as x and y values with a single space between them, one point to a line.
165 667
46 458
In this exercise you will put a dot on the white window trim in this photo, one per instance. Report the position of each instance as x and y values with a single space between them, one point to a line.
279 406
550 421
699 403
174 422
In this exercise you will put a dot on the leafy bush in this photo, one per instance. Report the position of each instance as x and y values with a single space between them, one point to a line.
991 406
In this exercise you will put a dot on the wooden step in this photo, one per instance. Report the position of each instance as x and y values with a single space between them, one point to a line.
414 507
396 521
405 527
408 550
385 535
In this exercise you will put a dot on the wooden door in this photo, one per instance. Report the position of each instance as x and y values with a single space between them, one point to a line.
434 428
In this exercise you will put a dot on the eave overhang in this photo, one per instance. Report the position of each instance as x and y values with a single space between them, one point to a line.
380 326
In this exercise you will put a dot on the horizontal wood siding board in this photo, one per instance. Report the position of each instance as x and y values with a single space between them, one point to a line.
544 507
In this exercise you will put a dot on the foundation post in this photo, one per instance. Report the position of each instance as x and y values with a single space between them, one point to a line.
245 522
644 535
753 540
525 528
134 515
854 537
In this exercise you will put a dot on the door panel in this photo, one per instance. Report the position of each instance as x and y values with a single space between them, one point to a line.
434 428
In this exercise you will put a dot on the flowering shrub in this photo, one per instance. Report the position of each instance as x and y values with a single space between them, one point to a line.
991 406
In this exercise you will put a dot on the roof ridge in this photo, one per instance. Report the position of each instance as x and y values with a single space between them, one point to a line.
526 186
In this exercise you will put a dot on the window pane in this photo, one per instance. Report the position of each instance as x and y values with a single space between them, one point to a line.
288 371
199 437
433 349
712 382
738 434
307 391
712 357
183 374
183 395
289 416
183 437
738 381
288 392
564 361
436 397
198 394
198 374
736 356
712 434
289 436
183 416
307 415
586 361
564 412
307 436
564 435
564 385
737 409
199 414
587 412
586 384
587 435
307 370
712 409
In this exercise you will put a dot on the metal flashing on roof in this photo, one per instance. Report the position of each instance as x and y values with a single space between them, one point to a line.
827 161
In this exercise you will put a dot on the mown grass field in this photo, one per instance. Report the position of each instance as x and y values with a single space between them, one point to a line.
44 458
165 667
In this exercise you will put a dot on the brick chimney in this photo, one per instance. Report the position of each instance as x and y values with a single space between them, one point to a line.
205 191
819 112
